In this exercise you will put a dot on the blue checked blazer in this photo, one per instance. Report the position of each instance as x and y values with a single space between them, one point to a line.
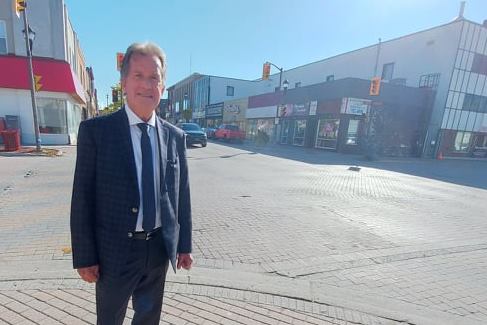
105 200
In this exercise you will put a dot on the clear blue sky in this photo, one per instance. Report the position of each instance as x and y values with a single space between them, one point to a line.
234 37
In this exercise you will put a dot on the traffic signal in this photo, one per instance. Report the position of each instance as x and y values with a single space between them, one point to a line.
114 95
266 71
37 80
119 61
374 86
19 6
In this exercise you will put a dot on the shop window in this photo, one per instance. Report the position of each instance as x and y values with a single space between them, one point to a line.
462 141
3 38
299 132
352 132
387 71
327 133
251 129
230 90
285 131
481 141
52 116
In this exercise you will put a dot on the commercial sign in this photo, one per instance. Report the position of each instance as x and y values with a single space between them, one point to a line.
199 114
214 110
232 109
355 106
288 110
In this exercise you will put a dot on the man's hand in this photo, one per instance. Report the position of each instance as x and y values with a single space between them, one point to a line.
89 274
184 261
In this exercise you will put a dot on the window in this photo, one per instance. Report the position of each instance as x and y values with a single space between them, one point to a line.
387 71
330 77
285 131
462 141
475 103
3 38
299 132
479 64
327 133
352 133
230 90
52 116
429 80
297 84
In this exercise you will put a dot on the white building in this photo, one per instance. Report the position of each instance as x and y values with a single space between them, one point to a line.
67 90
451 58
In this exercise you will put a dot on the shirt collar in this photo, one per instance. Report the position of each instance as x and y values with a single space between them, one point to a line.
134 119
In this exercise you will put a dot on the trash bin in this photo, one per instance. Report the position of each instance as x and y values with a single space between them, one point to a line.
11 139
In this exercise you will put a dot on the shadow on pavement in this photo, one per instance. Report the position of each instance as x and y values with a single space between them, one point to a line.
467 172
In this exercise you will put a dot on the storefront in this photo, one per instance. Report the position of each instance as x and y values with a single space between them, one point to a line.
463 144
59 99
293 123
262 117
214 115
234 112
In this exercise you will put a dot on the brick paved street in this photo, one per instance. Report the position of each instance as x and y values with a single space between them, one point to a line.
281 236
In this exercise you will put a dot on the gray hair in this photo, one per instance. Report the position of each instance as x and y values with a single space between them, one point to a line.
146 48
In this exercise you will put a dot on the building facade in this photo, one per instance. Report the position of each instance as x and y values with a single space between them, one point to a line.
67 94
341 116
451 59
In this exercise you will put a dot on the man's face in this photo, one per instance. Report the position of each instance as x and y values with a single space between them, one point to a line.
143 84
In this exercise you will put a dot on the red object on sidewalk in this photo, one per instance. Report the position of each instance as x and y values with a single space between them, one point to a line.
11 139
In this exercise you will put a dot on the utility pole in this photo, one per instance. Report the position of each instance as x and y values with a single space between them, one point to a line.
31 75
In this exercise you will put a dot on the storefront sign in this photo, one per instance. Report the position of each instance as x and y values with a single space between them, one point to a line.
214 110
199 114
355 106
288 110
300 109
312 107
232 109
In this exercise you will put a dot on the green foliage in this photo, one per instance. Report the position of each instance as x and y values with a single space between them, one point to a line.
115 106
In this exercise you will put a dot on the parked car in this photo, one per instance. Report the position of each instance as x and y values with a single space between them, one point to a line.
229 132
210 132
194 134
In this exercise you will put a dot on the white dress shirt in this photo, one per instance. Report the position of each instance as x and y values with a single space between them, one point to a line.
136 135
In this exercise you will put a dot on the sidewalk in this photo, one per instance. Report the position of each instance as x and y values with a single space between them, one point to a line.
350 263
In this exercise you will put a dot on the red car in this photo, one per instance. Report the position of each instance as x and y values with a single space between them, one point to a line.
230 132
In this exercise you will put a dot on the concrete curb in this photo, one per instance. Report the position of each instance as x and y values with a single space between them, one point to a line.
309 291
324 294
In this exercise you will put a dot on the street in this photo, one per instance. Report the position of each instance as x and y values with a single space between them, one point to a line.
281 235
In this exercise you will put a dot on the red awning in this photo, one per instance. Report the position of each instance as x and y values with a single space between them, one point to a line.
56 75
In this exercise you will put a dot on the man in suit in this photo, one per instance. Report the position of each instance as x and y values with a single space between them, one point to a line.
131 209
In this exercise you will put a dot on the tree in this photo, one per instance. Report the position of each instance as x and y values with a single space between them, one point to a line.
114 106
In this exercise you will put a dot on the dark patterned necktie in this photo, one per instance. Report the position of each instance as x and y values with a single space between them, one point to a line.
148 194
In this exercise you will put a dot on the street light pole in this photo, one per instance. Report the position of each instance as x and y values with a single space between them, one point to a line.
28 32
280 73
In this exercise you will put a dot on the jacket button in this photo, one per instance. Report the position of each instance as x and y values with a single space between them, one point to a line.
130 235
135 210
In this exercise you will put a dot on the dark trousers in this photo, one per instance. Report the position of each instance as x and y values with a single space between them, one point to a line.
142 278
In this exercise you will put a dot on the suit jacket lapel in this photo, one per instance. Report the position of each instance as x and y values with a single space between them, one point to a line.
163 135
127 148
